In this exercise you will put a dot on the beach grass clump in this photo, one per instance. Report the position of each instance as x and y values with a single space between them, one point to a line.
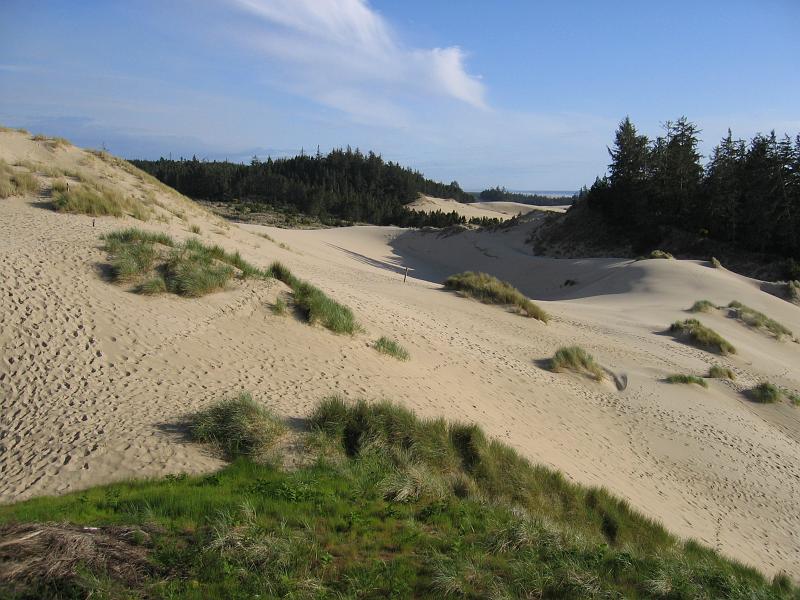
688 379
238 427
314 304
393 506
758 320
720 372
575 358
96 200
389 346
279 307
153 286
702 336
14 183
703 306
765 393
490 290
715 263
657 254
60 186
194 229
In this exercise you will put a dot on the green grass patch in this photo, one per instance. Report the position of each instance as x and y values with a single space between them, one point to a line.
315 305
279 307
388 346
703 306
575 358
758 320
679 378
765 393
394 507
157 263
238 427
490 290
702 336
720 372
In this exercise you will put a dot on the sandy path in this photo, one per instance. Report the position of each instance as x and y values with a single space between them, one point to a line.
94 380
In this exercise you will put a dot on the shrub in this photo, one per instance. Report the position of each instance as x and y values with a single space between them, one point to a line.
759 320
576 359
687 379
490 290
238 427
392 348
715 263
718 372
765 393
702 306
702 336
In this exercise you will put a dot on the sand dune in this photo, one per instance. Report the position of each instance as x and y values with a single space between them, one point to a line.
491 210
95 380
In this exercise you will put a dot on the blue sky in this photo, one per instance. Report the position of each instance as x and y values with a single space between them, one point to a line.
524 94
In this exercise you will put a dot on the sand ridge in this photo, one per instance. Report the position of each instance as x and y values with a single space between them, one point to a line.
95 380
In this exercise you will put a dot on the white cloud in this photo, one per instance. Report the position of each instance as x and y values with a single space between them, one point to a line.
345 55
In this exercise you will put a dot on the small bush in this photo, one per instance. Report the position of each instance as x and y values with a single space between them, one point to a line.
490 290
687 379
238 427
576 359
759 320
392 348
765 393
718 372
702 336
702 306
715 263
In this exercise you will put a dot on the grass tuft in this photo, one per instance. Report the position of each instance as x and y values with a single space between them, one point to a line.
702 336
758 320
153 286
715 263
702 306
687 379
657 254
238 427
194 229
719 372
765 393
93 199
279 307
575 358
392 348
490 290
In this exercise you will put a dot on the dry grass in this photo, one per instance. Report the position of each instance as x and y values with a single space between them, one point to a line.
575 358
92 198
13 183
490 290
715 263
719 372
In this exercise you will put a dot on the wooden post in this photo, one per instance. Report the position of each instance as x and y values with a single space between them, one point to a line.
405 276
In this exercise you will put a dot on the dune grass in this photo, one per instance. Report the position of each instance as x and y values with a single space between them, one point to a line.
657 254
388 346
758 320
394 507
490 290
719 372
279 307
703 306
194 229
680 378
715 263
575 358
702 336
159 264
13 183
765 393
238 427
315 305
94 199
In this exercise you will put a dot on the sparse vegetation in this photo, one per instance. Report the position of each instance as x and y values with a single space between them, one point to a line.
395 506
194 229
759 320
315 305
703 306
660 254
94 199
575 358
719 372
490 290
189 269
765 393
703 336
279 306
715 263
60 186
392 348
687 379
16 182
238 427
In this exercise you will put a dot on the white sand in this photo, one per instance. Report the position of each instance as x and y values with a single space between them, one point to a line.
94 379
492 210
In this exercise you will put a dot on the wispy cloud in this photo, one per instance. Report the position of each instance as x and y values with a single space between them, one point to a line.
343 54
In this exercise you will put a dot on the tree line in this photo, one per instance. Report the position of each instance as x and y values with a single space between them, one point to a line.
747 193
501 194
344 184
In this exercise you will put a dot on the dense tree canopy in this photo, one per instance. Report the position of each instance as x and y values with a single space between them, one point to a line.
748 194
501 194
344 184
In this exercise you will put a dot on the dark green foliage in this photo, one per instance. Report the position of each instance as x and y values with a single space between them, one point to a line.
575 358
747 195
702 336
396 507
344 184
490 290
765 393
687 379
501 194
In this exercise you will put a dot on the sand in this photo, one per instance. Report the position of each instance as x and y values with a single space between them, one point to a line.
491 210
95 381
